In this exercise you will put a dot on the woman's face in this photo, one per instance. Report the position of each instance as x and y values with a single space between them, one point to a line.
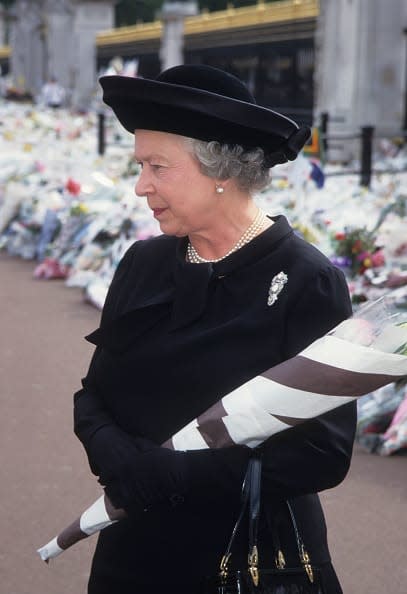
182 199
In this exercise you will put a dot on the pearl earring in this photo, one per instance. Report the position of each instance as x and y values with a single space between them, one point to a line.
219 189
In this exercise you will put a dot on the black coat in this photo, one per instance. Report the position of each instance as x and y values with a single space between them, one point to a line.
174 338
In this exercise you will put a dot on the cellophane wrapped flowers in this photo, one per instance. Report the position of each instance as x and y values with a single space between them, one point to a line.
360 355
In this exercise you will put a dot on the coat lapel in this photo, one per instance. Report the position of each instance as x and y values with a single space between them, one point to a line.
140 314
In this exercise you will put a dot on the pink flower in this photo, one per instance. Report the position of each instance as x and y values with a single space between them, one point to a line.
363 256
356 330
377 258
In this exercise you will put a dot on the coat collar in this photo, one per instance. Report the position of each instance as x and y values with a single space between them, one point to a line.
180 292
191 281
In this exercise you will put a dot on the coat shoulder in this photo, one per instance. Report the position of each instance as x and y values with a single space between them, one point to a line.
151 247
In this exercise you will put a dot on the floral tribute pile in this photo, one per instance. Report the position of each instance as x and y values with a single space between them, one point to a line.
74 214
62 205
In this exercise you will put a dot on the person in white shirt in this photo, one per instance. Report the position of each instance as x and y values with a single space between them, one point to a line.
53 94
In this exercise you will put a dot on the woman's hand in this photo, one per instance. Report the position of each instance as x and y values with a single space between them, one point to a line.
160 475
111 450
139 474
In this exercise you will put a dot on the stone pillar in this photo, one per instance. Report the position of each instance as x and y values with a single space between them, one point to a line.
90 17
28 45
172 41
360 48
2 27
57 38
60 44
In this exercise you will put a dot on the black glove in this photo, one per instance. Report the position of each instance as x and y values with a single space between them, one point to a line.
144 479
111 450
160 475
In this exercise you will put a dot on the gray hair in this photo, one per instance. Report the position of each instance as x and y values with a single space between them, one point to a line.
224 161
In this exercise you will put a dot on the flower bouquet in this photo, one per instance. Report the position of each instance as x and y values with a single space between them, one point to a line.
382 420
395 437
356 251
360 355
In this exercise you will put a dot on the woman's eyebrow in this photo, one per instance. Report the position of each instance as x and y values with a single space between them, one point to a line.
149 157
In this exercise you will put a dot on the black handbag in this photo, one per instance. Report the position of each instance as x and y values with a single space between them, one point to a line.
256 579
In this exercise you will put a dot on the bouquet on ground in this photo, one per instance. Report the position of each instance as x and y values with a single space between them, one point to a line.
360 355
356 250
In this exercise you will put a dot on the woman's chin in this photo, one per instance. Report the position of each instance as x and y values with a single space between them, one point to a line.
166 228
170 229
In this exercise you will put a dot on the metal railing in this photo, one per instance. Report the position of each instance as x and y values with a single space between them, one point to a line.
366 136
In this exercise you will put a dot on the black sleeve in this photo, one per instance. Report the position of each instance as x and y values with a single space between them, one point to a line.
321 305
316 455
104 442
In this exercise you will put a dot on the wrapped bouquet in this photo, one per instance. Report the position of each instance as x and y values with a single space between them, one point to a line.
360 355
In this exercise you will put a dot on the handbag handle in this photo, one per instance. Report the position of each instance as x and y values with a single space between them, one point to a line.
254 515
303 554
251 495
245 495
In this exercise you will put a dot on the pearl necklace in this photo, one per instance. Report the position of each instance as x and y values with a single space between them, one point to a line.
256 226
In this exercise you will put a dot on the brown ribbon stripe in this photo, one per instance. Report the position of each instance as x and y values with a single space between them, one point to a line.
305 374
73 532
290 421
213 429
113 512
71 535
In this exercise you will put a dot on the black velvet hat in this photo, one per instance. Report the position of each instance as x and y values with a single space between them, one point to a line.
205 103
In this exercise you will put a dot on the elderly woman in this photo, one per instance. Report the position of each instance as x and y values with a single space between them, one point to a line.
187 319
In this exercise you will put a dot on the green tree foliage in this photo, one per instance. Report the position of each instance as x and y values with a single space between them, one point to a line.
129 12
6 3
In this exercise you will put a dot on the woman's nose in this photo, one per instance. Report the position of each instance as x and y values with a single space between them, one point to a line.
143 185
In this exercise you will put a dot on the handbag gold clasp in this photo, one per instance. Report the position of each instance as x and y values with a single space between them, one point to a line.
306 561
224 566
280 560
253 565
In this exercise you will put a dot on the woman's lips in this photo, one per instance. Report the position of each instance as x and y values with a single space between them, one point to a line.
158 211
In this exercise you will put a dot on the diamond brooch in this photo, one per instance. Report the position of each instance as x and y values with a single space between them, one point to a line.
277 285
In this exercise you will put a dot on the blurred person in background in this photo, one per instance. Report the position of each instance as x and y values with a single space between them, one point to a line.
53 94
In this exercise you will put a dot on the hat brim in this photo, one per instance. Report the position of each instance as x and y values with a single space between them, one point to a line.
155 105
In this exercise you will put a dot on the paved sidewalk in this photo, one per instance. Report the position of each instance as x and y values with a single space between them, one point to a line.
44 476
